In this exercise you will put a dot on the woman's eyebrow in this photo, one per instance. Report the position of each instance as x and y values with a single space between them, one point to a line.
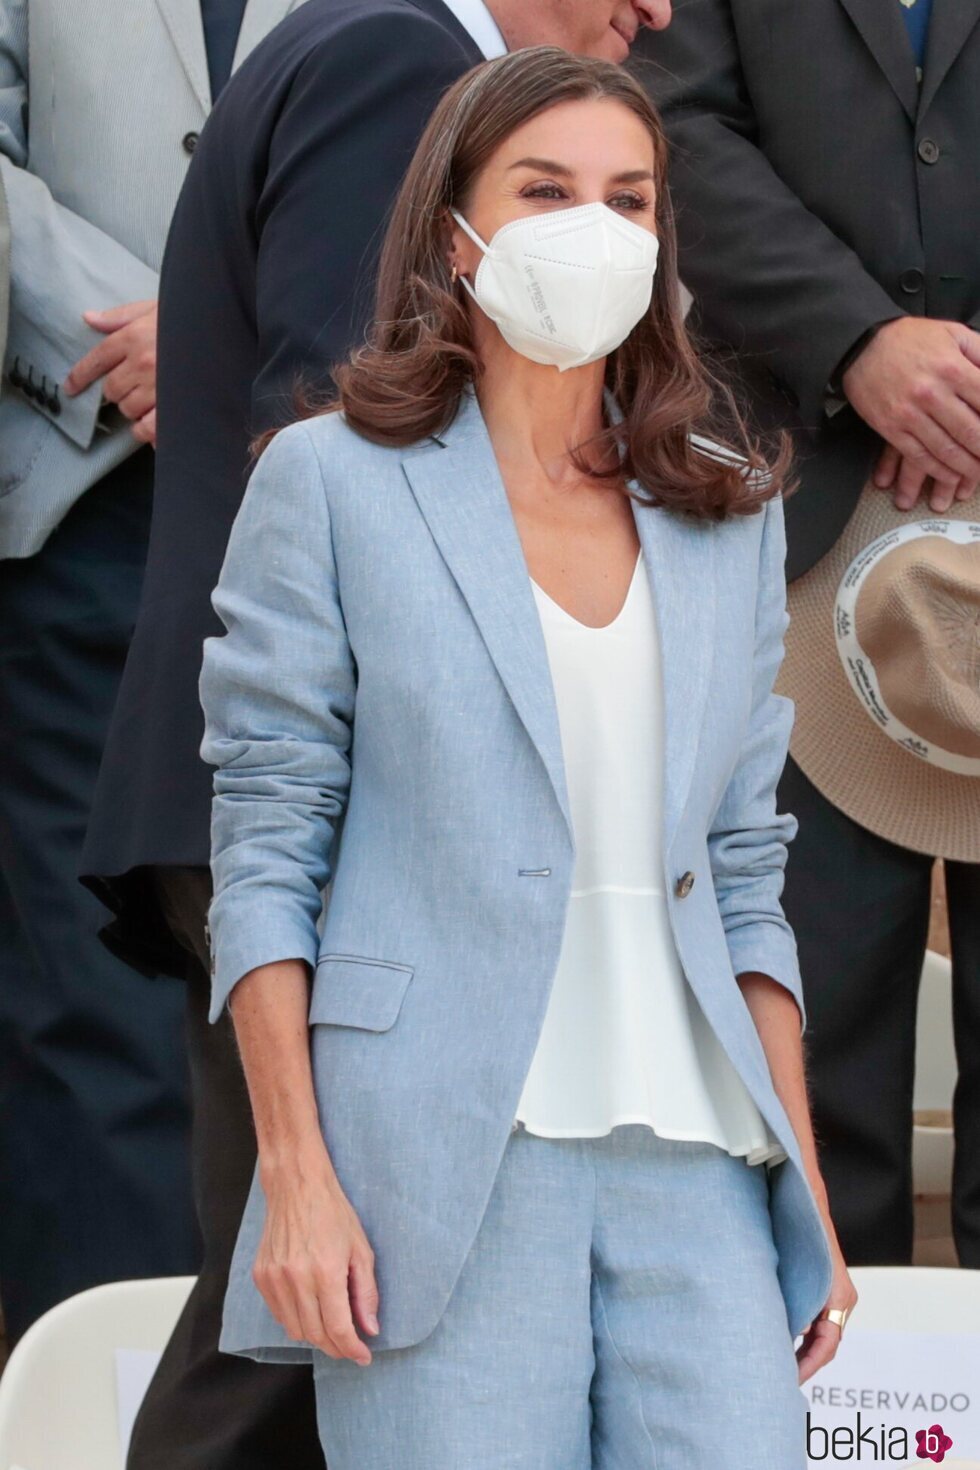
546 165
633 176
550 166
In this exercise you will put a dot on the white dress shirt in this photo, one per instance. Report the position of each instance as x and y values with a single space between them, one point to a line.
624 1038
476 17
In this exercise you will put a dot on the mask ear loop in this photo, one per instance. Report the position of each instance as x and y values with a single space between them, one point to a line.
468 229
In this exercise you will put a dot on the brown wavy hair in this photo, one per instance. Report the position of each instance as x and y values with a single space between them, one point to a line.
405 383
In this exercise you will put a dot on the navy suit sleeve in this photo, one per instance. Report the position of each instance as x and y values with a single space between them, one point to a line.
338 154
768 276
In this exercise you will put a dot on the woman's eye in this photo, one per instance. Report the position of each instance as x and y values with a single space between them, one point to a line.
628 201
543 191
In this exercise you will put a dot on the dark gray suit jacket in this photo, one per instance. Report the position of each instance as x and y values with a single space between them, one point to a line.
268 277
819 190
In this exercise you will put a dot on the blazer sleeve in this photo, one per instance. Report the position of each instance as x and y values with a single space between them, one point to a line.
340 147
747 842
769 278
60 264
278 697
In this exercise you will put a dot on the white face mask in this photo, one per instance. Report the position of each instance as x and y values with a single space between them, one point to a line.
568 287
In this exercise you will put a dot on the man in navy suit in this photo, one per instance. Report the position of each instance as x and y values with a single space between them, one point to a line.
268 274
827 195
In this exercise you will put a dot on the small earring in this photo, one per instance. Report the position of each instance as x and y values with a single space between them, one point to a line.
453 274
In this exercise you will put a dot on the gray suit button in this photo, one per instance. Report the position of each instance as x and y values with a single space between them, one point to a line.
189 142
684 885
929 150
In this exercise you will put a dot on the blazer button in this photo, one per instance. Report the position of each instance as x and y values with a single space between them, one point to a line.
684 885
928 150
912 281
189 142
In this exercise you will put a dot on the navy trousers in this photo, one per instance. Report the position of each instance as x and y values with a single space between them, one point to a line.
860 909
95 1178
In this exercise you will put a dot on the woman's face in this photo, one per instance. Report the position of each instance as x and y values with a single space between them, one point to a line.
575 153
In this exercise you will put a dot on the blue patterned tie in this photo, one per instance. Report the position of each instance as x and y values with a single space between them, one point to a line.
916 13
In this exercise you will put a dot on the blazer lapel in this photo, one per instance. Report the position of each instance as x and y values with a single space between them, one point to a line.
459 490
883 31
183 21
261 16
950 25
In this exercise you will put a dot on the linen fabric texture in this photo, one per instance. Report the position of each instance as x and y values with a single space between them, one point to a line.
619 1307
391 584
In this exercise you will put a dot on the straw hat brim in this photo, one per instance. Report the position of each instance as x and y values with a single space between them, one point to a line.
834 741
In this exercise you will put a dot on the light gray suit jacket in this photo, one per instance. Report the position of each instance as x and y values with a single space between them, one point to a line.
4 273
97 98
382 716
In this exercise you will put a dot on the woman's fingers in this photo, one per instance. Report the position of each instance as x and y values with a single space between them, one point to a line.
273 1285
823 1337
331 1287
819 1346
311 1304
363 1290
306 1305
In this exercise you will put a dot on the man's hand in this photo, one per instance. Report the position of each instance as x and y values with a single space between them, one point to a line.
126 361
917 383
891 469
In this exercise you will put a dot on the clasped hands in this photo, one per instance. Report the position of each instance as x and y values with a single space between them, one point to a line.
126 360
917 384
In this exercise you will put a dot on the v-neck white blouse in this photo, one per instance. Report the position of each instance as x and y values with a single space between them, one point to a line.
624 1039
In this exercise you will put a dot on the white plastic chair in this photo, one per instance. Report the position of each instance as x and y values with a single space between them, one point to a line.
935 1079
58 1408
924 1298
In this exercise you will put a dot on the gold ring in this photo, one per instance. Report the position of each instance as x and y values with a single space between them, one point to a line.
839 1315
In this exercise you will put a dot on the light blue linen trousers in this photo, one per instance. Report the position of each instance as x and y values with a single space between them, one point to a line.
619 1310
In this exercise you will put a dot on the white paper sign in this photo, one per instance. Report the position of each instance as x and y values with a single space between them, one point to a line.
134 1369
887 1394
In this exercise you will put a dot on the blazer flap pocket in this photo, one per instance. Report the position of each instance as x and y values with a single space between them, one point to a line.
352 990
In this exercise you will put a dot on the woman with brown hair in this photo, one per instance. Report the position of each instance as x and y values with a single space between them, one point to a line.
502 629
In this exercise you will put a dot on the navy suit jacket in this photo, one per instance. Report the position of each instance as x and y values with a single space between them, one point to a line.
268 273
819 190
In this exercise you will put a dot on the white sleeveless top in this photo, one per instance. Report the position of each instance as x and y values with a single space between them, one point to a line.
624 1039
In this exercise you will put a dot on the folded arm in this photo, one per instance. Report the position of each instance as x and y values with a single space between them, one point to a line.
61 266
768 276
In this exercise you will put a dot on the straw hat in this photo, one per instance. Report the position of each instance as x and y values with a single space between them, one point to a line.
883 663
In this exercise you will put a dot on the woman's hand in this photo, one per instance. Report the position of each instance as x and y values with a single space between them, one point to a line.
822 1338
315 1267
777 1020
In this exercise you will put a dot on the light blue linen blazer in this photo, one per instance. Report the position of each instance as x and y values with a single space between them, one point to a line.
383 721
